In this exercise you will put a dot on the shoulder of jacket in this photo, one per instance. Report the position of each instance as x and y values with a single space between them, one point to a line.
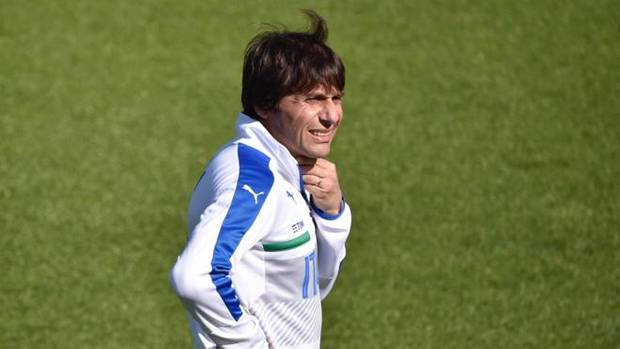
239 157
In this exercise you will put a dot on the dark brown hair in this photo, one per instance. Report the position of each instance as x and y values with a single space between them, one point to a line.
279 63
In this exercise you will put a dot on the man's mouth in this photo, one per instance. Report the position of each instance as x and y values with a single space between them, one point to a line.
322 135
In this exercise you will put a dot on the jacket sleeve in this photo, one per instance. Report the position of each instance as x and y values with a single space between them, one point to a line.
226 230
332 232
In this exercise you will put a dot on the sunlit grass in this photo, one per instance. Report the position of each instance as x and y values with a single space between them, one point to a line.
479 153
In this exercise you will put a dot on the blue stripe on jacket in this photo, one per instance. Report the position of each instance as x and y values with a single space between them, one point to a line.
253 185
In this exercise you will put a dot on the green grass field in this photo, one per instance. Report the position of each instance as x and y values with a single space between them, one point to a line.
480 153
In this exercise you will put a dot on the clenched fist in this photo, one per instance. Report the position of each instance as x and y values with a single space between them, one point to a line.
321 180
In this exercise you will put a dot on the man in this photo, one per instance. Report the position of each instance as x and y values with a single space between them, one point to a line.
267 219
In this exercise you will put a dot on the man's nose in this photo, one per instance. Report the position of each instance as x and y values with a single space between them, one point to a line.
330 114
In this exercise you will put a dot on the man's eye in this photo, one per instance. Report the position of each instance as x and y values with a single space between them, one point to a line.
336 99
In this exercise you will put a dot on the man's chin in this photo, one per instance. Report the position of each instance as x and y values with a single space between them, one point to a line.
319 154
317 151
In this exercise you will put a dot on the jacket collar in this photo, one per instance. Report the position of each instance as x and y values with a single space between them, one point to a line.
287 166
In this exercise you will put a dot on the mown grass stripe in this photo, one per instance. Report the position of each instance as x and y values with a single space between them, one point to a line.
287 245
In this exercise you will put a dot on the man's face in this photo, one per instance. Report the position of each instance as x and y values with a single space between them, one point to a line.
306 123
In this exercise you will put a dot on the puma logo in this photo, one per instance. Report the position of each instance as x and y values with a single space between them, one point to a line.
290 195
251 191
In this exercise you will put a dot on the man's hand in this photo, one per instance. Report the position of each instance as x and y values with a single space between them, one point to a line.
321 180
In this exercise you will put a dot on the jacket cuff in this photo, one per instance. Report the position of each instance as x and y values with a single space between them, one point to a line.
325 215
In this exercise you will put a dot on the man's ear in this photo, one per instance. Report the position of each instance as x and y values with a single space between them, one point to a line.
261 112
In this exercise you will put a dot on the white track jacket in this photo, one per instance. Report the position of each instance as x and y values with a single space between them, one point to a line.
260 256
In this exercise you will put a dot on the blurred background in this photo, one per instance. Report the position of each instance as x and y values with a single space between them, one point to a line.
480 153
